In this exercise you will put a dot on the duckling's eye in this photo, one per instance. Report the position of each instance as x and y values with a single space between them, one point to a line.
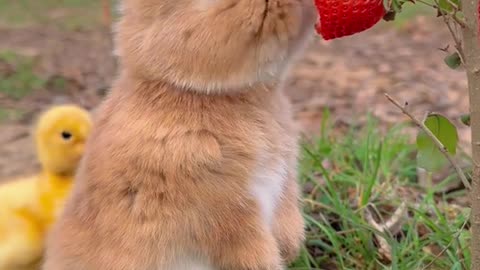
66 135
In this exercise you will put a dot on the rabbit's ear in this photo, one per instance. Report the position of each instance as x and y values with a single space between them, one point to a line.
212 45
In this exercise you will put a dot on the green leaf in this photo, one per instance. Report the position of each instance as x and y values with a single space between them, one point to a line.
453 60
448 5
397 6
429 156
465 119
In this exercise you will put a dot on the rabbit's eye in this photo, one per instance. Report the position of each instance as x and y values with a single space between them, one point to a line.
66 135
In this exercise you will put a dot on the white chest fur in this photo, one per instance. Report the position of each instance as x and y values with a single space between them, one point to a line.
187 263
267 186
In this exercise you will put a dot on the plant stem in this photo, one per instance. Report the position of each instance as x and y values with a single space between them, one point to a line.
434 138
471 51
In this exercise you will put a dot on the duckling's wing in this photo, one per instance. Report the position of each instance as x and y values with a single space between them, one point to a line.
21 239
18 193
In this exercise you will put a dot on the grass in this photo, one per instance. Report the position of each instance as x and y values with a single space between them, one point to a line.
67 14
7 114
346 177
18 78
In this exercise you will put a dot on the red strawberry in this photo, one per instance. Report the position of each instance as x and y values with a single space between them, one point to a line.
339 18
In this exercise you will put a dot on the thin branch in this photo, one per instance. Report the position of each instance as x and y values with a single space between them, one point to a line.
427 3
392 226
458 20
454 5
434 138
454 14
455 239
456 39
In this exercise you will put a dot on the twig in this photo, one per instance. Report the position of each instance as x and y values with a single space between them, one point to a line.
456 39
456 9
392 226
427 4
458 20
434 138
456 238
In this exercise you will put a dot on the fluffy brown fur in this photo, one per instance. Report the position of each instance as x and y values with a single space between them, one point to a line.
176 172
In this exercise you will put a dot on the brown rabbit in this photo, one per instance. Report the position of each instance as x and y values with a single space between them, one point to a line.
192 161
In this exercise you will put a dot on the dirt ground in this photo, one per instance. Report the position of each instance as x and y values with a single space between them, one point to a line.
348 76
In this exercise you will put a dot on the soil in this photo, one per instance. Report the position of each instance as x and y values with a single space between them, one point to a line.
348 76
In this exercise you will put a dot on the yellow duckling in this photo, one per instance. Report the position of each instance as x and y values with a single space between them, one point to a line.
29 206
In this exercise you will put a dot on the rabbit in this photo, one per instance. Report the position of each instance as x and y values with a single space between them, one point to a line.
191 164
